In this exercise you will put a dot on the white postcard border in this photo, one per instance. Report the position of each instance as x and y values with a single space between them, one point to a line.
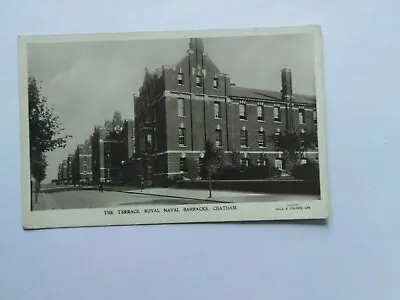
280 210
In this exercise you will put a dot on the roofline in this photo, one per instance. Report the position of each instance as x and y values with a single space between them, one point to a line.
270 100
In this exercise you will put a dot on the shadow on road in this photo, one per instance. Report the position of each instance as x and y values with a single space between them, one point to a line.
166 201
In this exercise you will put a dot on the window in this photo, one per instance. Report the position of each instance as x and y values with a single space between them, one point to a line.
244 141
315 116
243 111
217 110
198 79
155 138
277 137
277 114
215 82
154 112
180 77
244 162
278 163
181 107
149 140
302 116
261 162
201 161
183 164
218 137
182 136
260 112
261 138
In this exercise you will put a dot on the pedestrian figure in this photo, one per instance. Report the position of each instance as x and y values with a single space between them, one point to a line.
141 183
37 190
101 187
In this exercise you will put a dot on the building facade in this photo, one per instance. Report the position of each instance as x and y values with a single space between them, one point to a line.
83 159
179 108
112 146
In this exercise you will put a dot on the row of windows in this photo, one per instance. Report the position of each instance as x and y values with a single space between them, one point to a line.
244 137
277 113
182 108
245 162
183 167
243 112
199 79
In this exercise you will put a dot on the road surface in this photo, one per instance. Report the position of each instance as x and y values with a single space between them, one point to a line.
80 199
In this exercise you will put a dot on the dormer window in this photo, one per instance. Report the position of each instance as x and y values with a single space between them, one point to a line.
243 111
302 115
277 114
215 82
260 112
180 77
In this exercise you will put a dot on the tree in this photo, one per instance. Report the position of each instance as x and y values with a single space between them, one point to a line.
44 130
212 159
294 144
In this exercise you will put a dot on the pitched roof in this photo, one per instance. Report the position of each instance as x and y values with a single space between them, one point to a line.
242 92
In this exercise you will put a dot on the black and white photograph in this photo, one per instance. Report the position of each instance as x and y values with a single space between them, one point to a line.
172 127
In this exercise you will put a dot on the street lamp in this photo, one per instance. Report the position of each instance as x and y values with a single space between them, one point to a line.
109 168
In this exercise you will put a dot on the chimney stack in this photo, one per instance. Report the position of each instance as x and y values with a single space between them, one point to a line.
286 80
287 96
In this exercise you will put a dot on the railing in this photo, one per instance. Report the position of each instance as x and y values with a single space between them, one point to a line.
260 186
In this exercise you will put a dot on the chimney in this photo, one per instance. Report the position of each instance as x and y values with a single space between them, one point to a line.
286 80
286 92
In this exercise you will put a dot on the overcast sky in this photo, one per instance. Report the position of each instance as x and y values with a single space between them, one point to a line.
87 82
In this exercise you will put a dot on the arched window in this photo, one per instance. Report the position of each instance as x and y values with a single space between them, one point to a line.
303 159
244 140
218 136
260 112
244 161
201 161
183 163
279 163
182 135
198 79
215 81
261 138
262 160
277 114
302 115
217 110
180 77
242 111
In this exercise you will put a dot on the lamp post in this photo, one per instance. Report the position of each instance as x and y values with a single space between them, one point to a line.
109 167
209 182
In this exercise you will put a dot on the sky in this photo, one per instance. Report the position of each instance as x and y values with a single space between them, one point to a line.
87 81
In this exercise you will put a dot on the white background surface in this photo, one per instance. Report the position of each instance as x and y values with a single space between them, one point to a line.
354 257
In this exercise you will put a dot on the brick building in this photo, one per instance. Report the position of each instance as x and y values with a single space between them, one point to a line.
112 146
59 174
179 108
65 171
70 169
102 156
83 163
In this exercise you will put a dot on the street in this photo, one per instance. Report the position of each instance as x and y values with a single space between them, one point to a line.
80 199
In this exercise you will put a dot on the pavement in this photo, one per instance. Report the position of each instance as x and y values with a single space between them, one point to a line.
80 199
220 195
